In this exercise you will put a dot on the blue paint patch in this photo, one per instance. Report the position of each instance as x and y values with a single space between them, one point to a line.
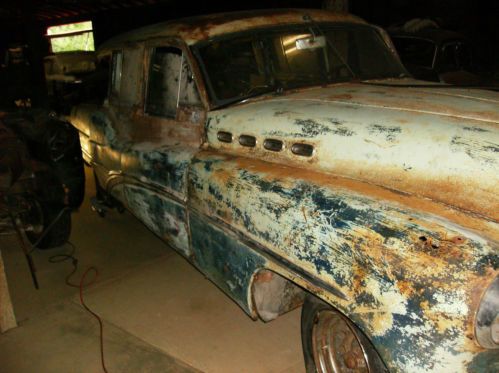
164 167
225 260
485 362
389 132
475 129
478 150
331 242
155 208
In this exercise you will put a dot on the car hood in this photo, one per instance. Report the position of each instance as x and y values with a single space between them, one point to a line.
437 143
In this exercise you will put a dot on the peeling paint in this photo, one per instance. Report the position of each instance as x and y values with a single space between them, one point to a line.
164 217
398 288
406 148
393 218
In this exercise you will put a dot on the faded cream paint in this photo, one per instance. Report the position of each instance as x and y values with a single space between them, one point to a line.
442 147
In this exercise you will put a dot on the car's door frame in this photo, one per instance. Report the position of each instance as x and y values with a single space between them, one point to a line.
163 146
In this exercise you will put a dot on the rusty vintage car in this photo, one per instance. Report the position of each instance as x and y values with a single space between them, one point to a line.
290 158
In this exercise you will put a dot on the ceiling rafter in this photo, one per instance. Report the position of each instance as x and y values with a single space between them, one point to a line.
60 9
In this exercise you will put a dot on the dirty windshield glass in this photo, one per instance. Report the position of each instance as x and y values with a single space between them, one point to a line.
244 65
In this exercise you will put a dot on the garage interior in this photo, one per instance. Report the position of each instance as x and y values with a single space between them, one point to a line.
159 314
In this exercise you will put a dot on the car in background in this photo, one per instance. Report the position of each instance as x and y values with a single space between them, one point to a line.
73 77
433 54
69 67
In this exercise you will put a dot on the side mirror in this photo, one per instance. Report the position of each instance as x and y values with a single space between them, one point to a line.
313 42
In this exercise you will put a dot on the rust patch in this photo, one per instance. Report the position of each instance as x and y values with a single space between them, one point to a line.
475 292
263 276
406 288
304 213
458 240
200 28
272 171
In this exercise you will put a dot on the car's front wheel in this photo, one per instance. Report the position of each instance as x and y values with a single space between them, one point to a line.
333 344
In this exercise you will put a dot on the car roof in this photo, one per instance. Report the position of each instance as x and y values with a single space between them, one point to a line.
195 29
437 35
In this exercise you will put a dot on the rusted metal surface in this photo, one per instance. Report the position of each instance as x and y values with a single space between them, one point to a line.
274 295
408 278
432 143
195 29
7 316
380 200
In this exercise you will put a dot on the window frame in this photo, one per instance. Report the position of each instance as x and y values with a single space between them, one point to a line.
69 34
113 91
151 52
186 55
214 102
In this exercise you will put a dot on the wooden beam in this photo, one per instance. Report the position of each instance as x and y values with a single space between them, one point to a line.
335 5
7 318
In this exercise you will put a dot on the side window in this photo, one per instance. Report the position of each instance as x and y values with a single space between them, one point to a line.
163 82
170 83
188 91
132 71
117 64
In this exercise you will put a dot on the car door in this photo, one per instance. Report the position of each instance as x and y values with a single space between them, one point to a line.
165 135
110 125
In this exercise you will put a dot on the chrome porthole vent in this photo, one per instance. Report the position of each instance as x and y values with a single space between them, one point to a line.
247 141
224 136
273 145
305 150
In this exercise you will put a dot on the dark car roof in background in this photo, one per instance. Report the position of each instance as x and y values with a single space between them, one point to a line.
437 35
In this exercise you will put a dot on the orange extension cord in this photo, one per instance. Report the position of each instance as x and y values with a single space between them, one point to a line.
82 301
58 258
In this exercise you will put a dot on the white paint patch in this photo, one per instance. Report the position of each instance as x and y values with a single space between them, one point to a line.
446 361
453 304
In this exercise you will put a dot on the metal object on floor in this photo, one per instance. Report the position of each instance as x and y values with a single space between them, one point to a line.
7 316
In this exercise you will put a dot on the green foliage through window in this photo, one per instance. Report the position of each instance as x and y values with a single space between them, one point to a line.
71 37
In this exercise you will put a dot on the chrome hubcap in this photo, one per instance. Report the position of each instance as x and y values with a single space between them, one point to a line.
336 345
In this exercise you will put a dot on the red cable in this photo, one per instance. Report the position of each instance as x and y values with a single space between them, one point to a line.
101 326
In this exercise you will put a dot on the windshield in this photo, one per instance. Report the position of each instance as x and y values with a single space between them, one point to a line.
244 65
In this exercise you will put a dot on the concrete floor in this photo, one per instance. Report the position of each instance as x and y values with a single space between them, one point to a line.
160 314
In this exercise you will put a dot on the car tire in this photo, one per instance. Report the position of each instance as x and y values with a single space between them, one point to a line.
321 324
55 232
63 153
49 211
100 192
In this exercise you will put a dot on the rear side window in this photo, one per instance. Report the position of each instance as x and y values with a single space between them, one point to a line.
170 83
117 65
163 82
132 72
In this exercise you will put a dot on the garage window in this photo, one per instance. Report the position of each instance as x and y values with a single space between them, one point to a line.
71 37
